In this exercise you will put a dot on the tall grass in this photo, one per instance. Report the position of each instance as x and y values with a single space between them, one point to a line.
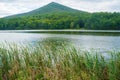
51 60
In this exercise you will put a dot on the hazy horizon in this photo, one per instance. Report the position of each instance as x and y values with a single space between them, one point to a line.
11 7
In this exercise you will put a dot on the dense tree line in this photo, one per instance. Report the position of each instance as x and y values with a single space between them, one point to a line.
98 21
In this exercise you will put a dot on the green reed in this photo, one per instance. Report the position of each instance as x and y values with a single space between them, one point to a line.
56 61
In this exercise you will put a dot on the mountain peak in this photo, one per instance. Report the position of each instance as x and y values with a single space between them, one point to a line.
53 3
50 8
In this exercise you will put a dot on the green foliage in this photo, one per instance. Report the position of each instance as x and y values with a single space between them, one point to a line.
57 16
104 21
56 60
46 21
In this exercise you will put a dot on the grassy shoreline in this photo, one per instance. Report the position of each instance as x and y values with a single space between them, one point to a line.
56 61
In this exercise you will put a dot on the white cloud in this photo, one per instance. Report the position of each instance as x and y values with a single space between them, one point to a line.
10 7
93 5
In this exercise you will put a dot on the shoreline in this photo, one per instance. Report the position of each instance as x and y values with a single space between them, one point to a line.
66 30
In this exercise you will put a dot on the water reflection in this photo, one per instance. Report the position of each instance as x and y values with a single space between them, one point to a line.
86 42
54 44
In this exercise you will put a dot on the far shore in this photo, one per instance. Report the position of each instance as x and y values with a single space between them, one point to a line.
60 30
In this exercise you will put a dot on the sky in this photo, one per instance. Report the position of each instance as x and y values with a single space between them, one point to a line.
11 7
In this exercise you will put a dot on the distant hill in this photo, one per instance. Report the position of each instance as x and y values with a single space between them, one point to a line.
50 8
57 16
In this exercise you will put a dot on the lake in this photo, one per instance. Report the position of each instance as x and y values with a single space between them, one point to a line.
104 42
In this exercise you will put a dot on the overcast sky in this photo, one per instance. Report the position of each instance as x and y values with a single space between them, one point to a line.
10 7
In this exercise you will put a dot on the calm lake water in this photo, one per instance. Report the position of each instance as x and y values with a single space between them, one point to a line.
83 41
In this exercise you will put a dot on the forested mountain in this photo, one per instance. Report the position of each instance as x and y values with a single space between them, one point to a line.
50 8
57 16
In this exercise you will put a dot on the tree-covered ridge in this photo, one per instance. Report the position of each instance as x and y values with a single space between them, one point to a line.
56 16
48 21
51 8
103 20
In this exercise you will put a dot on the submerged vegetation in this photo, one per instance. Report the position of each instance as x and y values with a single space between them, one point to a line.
56 60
